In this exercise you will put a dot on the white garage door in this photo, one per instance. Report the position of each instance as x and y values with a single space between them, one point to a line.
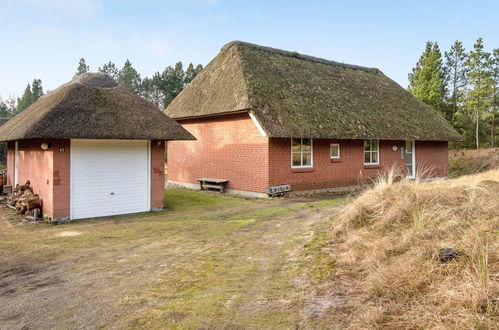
109 177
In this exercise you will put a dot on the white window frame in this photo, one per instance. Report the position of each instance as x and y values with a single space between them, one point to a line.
331 151
301 153
371 152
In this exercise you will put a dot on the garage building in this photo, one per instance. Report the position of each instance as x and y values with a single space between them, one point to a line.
91 148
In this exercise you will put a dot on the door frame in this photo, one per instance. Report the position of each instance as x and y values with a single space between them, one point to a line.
413 155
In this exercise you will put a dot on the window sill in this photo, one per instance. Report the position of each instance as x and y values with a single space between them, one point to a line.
335 160
302 170
372 166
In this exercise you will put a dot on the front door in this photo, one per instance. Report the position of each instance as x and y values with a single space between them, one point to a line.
410 159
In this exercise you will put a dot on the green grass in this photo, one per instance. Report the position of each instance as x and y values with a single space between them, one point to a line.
208 260
184 199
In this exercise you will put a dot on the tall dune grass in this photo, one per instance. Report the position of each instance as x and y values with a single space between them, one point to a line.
387 243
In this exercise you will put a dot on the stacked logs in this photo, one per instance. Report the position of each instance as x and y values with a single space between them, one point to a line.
25 201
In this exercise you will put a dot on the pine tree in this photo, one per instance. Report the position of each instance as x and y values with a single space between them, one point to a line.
191 72
26 99
427 80
5 111
172 82
478 97
110 69
82 67
495 95
130 78
455 67
36 89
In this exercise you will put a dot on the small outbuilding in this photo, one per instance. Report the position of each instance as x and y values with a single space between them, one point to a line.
269 120
91 148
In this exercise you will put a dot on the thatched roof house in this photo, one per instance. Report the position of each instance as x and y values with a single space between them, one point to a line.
92 106
91 148
298 95
291 99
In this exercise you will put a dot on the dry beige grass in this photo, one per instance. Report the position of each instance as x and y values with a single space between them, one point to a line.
387 241
465 162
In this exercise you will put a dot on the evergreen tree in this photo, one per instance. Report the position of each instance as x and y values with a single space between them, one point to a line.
479 92
31 94
110 69
130 78
36 89
82 67
151 92
191 72
455 67
427 79
495 95
26 99
5 110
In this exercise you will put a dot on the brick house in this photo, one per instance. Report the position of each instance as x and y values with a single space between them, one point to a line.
90 148
264 117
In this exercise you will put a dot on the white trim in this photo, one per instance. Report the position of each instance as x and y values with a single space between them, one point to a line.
364 151
149 161
16 163
413 155
311 153
71 186
331 151
257 124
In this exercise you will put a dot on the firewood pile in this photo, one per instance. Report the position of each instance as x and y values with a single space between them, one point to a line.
24 201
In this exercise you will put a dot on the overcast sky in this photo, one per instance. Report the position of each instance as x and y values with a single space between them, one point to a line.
45 39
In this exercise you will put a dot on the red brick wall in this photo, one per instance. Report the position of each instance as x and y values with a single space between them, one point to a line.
10 163
326 173
432 157
228 147
35 165
157 173
61 180
231 147
49 173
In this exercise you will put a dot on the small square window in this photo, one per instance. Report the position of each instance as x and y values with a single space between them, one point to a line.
335 150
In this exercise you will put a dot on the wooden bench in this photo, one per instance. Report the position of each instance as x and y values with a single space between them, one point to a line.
207 183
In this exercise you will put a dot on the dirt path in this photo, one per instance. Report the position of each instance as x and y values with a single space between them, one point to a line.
237 267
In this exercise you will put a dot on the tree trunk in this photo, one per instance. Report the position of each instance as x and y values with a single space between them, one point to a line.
492 134
477 138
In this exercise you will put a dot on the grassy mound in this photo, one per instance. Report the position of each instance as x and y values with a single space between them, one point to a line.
465 162
387 244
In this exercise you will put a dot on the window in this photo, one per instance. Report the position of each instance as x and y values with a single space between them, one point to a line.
371 152
335 150
301 152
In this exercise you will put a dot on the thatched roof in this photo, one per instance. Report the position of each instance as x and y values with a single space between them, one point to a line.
92 106
294 95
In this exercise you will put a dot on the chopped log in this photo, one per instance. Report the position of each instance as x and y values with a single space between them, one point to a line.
24 200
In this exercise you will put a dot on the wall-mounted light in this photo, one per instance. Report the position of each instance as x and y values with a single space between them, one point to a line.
44 146
394 148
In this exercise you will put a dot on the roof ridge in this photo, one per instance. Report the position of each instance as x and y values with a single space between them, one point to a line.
300 56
